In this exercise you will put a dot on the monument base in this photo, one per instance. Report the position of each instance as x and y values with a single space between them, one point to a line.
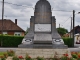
48 46
46 53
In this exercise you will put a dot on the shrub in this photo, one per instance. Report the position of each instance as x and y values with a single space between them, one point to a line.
28 57
11 41
5 55
68 41
2 58
10 52
66 57
14 41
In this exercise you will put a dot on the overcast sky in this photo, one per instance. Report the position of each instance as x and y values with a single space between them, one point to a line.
61 9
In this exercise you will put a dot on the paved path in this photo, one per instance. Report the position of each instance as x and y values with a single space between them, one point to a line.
76 48
14 49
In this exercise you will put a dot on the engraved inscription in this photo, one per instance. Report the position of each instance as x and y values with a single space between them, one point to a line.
42 27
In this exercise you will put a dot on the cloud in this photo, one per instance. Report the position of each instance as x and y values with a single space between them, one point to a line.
23 14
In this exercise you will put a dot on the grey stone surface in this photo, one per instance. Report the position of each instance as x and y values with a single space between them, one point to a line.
43 12
25 46
46 53
30 34
39 36
42 38
43 46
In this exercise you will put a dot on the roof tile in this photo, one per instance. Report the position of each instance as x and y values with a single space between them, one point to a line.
9 25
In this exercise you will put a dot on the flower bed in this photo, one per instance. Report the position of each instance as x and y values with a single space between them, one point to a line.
75 56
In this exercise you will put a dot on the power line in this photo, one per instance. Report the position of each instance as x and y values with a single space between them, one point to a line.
16 4
33 8
67 19
62 10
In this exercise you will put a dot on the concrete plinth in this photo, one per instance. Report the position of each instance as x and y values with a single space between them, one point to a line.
46 53
43 46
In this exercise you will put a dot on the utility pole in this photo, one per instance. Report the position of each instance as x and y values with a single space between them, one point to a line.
73 27
2 19
59 25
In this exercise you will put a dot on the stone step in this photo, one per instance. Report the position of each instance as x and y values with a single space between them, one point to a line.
43 46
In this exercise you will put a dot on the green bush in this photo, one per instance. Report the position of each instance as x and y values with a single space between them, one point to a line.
14 41
10 41
68 41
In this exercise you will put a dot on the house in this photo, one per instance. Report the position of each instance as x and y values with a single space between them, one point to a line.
10 28
77 30
66 35
77 34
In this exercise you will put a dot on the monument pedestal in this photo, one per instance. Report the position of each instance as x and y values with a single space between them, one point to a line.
43 46
42 39
46 53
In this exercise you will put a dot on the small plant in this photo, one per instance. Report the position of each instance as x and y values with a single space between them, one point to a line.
40 58
64 57
78 56
10 52
15 58
5 55
2 58
55 56
20 57
28 57
55 59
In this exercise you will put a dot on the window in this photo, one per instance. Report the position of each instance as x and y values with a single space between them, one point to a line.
17 34
4 33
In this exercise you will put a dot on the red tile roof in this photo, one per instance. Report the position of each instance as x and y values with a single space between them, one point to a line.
74 28
9 25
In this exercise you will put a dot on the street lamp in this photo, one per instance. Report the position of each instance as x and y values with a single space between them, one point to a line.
74 25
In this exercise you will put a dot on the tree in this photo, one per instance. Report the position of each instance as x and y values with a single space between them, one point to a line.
62 31
27 30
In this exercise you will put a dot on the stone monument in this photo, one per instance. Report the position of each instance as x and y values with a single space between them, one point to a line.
42 32
42 38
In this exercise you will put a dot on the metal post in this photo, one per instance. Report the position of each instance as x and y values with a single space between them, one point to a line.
59 25
2 19
73 27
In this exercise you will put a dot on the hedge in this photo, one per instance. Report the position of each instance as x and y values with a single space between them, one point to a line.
14 41
10 41
68 41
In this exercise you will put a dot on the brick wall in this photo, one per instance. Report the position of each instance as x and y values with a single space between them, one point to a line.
10 33
23 34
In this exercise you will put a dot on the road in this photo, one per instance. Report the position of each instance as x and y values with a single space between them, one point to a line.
76 48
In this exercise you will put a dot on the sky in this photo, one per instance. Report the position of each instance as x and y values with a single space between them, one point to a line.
22 10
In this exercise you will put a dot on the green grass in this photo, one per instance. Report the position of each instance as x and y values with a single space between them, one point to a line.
2 53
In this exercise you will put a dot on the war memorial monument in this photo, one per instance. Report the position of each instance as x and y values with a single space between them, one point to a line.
42 38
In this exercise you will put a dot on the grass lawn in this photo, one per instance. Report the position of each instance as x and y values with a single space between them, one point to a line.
1 53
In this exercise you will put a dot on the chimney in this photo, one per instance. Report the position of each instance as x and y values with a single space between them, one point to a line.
16 21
